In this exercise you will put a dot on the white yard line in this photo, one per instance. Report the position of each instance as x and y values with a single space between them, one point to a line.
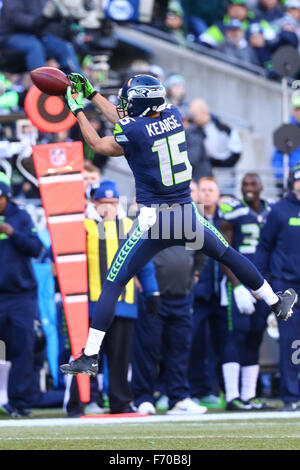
155 437
52 422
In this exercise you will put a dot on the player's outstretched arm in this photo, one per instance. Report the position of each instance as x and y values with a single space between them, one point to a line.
106 145
106 108
80 82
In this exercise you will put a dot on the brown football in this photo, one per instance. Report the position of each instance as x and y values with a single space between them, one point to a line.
50 80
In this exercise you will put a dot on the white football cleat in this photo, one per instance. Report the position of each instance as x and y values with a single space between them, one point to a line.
93 409
187 406
146 408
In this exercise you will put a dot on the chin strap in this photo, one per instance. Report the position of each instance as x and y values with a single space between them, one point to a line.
157 110
145 112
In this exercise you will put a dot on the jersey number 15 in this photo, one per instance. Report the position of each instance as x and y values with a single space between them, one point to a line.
169 156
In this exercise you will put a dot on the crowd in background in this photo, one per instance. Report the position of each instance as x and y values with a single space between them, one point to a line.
74 38
248 31
194 373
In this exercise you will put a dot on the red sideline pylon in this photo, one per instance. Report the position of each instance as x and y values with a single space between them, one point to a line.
59 170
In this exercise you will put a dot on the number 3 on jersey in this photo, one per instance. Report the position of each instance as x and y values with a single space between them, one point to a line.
169 156
250 241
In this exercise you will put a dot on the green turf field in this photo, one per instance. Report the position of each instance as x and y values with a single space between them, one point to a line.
198 435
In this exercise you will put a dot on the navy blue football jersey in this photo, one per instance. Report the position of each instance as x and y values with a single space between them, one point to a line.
246 223
156 151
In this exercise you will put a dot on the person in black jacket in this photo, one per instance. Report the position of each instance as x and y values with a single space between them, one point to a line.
36 28
195 137
211 143
18 298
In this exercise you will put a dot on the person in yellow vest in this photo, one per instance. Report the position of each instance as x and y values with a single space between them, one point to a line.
103 240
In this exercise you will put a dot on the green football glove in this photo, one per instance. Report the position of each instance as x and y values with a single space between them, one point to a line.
79 82
75 105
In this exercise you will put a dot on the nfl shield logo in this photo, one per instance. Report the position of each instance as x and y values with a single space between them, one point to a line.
58 157
109 193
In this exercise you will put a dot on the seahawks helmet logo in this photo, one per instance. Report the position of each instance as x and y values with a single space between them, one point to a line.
146 92
141 91
138 93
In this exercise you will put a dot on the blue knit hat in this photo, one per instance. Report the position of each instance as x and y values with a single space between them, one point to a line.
4 185
174 79
106 190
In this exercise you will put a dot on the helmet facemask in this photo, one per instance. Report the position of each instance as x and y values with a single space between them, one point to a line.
123 103
141 96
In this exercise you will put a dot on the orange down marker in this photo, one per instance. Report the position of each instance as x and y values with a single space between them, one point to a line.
59 170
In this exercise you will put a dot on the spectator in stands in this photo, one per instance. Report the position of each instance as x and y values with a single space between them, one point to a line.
289 24
260 28
235 44
165 337
261 37
158 72
291 8
159 13
62 137
18 298
237 10
214 36
37 29
202 14
9 97
294 157
194 191
212 143
267 35
91 175
176 92
268 10
195 136
91 181
174 22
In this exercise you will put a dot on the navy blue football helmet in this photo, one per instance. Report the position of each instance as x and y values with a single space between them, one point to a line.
294 175
141 96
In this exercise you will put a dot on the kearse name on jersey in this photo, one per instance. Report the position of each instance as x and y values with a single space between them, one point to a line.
165 125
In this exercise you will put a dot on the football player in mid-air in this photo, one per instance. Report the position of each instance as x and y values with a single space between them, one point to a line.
150 134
